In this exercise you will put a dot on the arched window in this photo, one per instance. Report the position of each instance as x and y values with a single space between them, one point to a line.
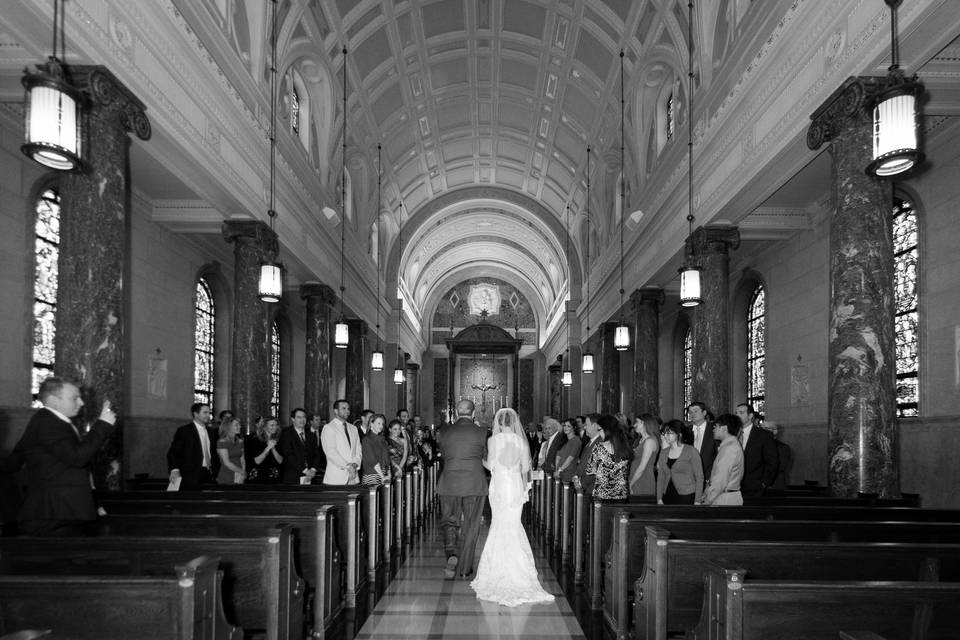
274 369
294 110
756 348
203 350
46 250
906 256
298 101
687 367
670 125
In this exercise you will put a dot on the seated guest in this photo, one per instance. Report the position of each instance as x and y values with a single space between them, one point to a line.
397 445
610 460
679 469
230 451
260 453
724 485
190 457
375 465
340 442
569 453
642 480
299 449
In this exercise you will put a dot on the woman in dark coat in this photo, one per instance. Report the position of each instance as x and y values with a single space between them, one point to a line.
375 466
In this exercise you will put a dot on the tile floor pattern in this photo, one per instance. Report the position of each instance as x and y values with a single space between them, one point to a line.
420 603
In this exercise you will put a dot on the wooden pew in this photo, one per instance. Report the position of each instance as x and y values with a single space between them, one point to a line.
668 595
625 563
317 555
737 607
260 587
184 605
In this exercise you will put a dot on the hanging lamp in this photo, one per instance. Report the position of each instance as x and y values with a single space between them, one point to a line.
895 148
567 376
690 295
621 338
270 286
52 112
341 334
376 358
586 364
398 373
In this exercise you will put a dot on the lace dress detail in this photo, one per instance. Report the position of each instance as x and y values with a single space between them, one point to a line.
611 474
507 573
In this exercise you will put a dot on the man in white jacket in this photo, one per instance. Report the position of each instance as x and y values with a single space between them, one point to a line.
340 442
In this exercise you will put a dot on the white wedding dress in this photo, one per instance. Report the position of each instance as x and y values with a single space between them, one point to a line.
507 573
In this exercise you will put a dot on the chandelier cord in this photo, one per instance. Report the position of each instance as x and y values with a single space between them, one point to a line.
690 217
379 207
587 267
272 213
343 182
623 182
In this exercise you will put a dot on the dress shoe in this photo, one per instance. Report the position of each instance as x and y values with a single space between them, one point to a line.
467 575
450 570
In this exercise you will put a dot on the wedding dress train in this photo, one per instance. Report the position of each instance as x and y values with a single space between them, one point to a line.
507 573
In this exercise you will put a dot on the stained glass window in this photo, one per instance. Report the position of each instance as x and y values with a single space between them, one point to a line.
274 369
46 257
688 368
756 349
294 109
670 116
906 255
205 316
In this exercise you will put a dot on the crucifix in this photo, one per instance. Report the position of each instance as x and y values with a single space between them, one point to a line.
483 387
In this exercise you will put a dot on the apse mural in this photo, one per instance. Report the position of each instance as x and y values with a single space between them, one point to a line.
497 302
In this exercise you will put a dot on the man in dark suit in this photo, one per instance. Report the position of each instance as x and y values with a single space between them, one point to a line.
462 489
554 439
300 450
760 459
591 430
192 456
703 440
59 498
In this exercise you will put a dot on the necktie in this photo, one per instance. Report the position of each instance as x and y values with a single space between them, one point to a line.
303 438
205 446
346 432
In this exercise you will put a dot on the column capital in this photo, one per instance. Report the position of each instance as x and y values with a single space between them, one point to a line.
848 106
713 240
646 295
105 91
319 290
254 231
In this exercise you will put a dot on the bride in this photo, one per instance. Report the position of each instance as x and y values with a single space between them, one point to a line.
506 573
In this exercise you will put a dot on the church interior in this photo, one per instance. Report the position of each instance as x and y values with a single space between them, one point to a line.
406 203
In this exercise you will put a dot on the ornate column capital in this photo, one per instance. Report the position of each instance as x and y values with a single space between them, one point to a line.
646 295
104 90
713 240
319 290
848 106
253 231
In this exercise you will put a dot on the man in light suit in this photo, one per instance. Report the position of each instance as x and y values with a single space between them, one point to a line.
582 479
192 455
340 442
703 440
59 498
760 459
462 489
300 451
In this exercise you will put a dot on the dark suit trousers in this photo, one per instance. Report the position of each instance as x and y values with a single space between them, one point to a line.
463 546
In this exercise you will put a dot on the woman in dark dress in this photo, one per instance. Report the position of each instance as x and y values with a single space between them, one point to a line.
569 453
398 447
610 461
259 450
375 466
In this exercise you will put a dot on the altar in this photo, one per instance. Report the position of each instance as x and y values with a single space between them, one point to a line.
483 368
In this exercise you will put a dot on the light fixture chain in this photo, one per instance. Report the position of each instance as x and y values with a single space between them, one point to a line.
343 183
273 116
379 207
587 266
623 182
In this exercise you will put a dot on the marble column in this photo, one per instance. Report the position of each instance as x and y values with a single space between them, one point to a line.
253 242
645 396
710 247
609 370
320 300
554 373
862 433
357 362
91 345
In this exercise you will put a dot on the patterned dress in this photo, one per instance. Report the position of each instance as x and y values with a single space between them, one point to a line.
611 474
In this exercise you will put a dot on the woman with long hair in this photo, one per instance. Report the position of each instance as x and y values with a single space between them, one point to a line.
507 573
642 480
569 452
398 447
375 466
679 470
610 460
230 450
259 450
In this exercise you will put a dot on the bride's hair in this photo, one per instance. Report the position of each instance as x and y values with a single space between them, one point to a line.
507 421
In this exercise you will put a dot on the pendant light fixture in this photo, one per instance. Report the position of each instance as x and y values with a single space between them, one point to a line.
398 373
270 287
621 338
341 334
52 113
376 358
689 273
895 148
586 365
567 376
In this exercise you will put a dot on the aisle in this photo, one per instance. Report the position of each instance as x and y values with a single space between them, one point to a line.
420 603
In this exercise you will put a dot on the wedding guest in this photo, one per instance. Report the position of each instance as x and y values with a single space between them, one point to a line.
230 449
642 480
724 485
397 445
263 461
610 460
569 453
679 469
375 466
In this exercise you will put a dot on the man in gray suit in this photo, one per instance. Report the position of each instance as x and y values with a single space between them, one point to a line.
462 489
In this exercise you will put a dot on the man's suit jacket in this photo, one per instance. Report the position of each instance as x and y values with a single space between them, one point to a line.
463 445
340 452
186 454
708 450
760 461
550 461
58 468
297 454
587 481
